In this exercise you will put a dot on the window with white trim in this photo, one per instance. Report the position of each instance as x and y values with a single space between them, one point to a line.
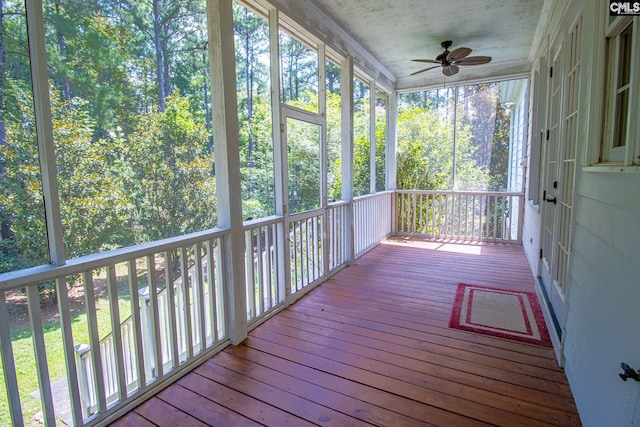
619 140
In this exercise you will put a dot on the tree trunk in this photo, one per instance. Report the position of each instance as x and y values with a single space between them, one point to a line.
165 64
159 66
62 46
207 108
249 82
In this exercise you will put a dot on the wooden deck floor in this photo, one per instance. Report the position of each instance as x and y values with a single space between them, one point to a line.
372 347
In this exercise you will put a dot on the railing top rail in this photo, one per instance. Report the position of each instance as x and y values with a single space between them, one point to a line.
470 193
261 222
305 215
43 273
373 195
337 204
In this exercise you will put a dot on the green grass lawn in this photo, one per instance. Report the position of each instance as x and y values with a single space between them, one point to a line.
25 359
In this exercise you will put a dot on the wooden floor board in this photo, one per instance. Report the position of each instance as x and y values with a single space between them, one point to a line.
372 346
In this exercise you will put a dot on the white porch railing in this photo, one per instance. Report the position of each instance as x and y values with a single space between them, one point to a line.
337 215
144 341
456 215
371 220
142 351
264 265
306 250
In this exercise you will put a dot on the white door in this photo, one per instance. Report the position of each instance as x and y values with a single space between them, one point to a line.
305 212
559 176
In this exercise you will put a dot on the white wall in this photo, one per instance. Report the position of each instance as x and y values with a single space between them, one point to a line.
603 324
603 327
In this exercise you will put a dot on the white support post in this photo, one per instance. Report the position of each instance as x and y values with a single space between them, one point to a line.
324 157
346 85
227 165
283 275
391 158
372 136
44 130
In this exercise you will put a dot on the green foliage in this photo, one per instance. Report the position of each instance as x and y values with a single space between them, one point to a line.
381 142
171 183
92 203
303 159
362 141
425 151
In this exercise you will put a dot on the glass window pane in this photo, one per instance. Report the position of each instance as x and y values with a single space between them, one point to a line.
253 69
620 126
131 120
303 164
334 132
624 56
361 138
298 73
23 235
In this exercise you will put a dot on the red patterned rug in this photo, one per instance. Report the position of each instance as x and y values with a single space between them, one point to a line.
502 313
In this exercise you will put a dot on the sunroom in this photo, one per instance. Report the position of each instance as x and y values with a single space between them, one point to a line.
270 200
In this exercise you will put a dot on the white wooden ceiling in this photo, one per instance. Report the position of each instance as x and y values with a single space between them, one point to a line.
396 31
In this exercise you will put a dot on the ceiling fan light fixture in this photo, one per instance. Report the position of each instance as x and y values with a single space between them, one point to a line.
450 61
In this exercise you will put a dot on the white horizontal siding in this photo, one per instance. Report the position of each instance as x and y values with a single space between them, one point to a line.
602 328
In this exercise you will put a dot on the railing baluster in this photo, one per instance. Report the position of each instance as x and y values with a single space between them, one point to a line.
8 365
199 292
116 332
312 247
458 198
294 253
269 232
318 245
94 340
171 341
260 270
69 351
211 276
249 273
307 248
137 324
186 303
155 316
495 217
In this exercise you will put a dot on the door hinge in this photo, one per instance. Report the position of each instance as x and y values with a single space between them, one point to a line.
547 134
550 72
281 127
540 253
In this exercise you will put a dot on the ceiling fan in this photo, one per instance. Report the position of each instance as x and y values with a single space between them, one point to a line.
449 61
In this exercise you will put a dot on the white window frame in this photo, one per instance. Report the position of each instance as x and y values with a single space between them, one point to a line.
628 153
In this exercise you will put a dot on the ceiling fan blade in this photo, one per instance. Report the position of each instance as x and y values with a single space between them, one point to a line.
430 61
458 54
423 70
474 60
450 70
